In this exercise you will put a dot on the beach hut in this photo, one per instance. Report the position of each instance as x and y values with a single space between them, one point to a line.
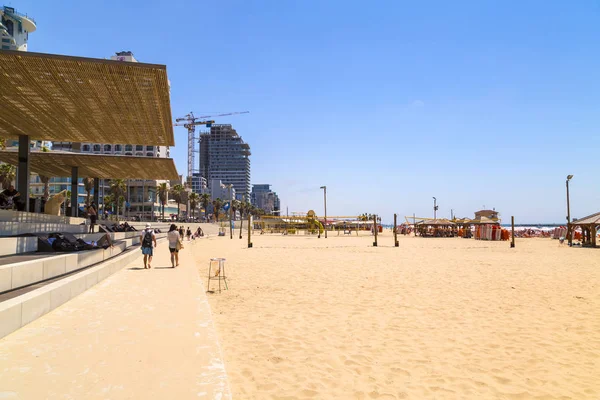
589 229
436 228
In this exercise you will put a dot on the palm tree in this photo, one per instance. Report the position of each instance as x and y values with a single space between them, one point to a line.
117 189
217 205
236 205
194 200
185 197
46 181
205 201
108 202
177 193
244 207
163 195
88 185
7 175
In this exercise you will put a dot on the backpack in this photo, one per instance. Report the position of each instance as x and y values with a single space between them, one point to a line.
147 241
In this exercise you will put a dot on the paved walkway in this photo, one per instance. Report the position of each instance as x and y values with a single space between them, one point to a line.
139 334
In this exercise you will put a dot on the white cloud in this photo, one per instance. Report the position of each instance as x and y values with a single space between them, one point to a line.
418 103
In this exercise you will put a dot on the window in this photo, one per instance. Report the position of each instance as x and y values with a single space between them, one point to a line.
128 147
86 147
128 153
5 40
107 147
149 148
149 154
5 47
139 147
118 147
96 147
10 28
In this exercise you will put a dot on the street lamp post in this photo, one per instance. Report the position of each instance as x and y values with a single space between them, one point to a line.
230 212
569 230
325 204
435 207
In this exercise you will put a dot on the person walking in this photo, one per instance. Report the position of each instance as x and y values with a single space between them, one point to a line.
93 213
189 234
174 245
148 238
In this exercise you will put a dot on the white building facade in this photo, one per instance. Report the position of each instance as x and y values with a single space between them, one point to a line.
15 29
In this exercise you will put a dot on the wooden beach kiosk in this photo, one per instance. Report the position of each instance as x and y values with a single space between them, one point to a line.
440 227
589 229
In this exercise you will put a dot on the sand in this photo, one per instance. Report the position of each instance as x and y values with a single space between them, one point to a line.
434 319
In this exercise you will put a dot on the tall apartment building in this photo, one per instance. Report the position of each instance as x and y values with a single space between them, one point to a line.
141 194
263 197
225 156
197 183
15 29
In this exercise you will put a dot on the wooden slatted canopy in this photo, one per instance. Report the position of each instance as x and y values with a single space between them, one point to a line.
75 99
58 164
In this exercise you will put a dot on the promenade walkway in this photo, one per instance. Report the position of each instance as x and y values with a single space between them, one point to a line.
139 334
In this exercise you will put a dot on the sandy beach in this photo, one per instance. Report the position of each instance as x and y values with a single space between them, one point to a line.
435 318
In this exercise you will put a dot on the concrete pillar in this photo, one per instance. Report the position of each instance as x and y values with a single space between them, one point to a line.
97 192
74 190
23 170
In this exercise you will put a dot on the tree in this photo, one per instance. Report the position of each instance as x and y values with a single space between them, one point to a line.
177 194
163 195
205 201
88 185
7 175
117 189
217 205
194 200
236 205
108 202
244 208
46 181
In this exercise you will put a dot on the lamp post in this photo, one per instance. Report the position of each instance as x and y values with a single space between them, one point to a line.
230 211
325 204
569 233
435 207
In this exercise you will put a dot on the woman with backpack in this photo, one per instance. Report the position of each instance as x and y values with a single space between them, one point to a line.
174 245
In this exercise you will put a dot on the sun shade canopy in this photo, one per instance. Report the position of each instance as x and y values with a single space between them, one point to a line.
75 99
58 164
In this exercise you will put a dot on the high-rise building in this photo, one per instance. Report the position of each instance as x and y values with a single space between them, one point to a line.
225 156
197 183
15 29
263 197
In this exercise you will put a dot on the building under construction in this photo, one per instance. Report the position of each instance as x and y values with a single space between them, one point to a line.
226 157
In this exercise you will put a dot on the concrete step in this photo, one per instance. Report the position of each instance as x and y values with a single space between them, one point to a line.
19 271
21 310
17 245
9 228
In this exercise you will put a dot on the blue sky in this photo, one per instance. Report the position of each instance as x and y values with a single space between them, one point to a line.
388 103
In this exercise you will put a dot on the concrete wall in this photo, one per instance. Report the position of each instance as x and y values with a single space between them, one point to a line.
17 245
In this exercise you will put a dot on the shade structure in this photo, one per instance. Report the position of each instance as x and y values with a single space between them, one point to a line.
59 164
593 219
75 99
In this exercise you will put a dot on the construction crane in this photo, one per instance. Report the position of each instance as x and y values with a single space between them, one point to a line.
190 122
